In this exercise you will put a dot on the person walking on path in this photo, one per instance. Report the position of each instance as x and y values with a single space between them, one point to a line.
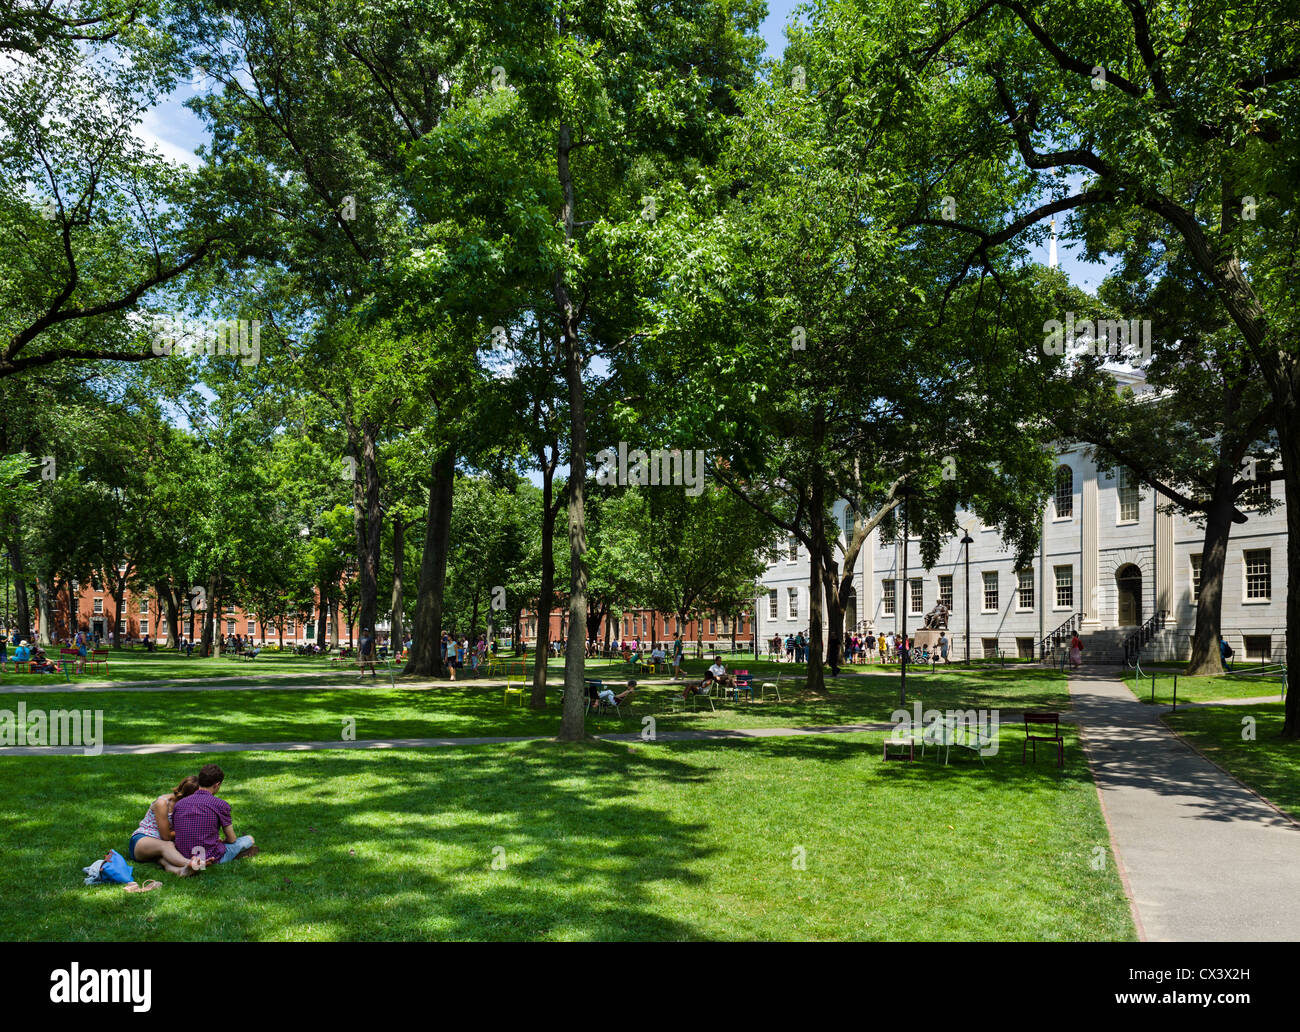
677 654
1076 651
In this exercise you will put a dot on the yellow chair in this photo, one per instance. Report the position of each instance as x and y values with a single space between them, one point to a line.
514 686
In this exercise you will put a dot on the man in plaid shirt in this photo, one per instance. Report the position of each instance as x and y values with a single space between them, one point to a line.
203 825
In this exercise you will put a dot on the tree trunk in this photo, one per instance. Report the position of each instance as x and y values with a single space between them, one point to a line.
167 598
546 597
45 609
834 616
1206 658
322 614
118 594
399 549
426 657
209 618
817 535
1288 432
22 612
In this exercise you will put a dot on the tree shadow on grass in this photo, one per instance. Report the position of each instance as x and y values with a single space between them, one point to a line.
363 845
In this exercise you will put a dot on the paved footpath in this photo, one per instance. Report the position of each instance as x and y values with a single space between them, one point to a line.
1204 858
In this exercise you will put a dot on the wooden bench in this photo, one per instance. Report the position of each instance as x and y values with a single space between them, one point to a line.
1036 724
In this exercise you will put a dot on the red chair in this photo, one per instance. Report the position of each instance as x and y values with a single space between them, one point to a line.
744 683
1036 724
99 657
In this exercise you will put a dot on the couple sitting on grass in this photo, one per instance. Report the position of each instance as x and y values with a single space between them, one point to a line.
189 827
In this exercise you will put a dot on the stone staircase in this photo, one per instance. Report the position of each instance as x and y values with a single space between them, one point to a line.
1107 645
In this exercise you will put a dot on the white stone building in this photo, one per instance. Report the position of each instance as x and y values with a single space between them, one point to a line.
1106 552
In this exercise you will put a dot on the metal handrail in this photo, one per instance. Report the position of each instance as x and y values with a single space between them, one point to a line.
1055 637
1135 642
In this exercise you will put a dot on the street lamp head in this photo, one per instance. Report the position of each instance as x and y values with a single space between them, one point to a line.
967 540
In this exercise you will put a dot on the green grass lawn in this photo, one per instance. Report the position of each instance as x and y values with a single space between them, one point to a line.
138 665
689 840
1268 764
471 709
1239 685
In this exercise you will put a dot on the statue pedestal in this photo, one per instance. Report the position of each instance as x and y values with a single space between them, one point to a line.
924 637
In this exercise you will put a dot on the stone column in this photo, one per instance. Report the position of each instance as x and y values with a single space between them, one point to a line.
1089 596
1164 561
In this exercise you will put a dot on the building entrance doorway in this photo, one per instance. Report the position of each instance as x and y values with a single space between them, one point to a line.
1128 579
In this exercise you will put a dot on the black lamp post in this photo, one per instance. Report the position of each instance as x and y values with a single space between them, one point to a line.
905 599
967 540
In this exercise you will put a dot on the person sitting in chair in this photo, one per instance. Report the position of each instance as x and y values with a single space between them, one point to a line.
41 662
718 673
607 696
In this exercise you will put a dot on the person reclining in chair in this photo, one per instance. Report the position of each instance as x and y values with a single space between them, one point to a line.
716 674
607 696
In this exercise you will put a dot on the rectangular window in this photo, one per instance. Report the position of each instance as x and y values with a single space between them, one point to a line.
144 628
793 549
121 627
917 599
792 603
990 647
1064 587
252 627
1261 487
1259 573
887 596
1196 578
771 604
713 624
1128 496
1064 491
645 626
1025 589
292 628
230 609
945 589
99 605
848 522
144 605
990 591
230 626
1258 646
163 627
1025 648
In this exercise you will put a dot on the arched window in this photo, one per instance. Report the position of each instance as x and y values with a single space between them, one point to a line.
1064 491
